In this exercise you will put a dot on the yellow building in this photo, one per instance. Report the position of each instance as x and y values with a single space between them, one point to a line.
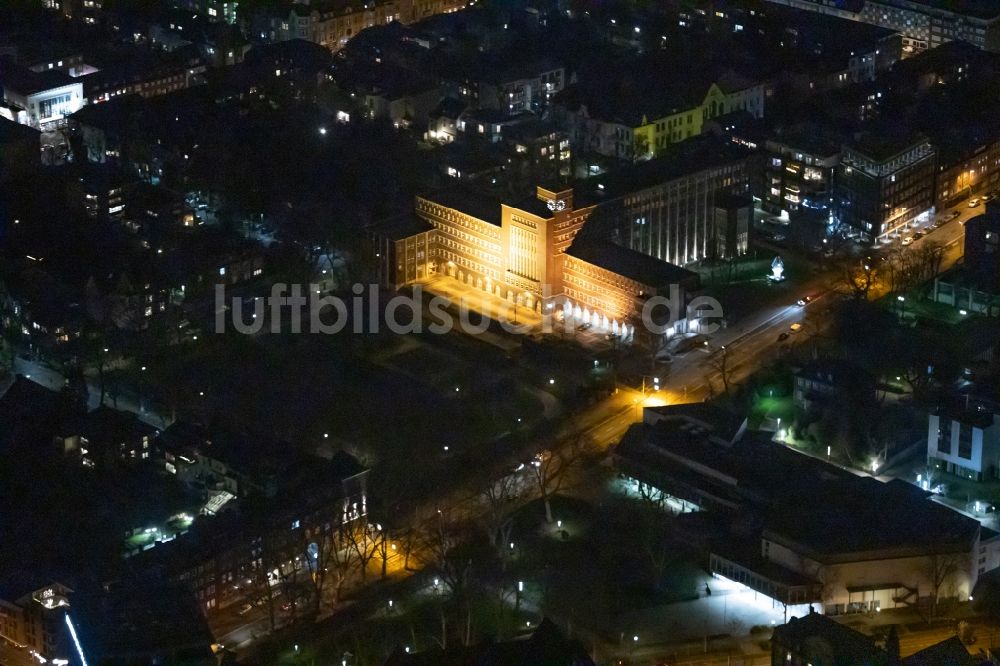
613 125
524 253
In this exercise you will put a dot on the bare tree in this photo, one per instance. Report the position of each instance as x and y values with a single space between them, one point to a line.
941 569
502 498
651 495
342 558
654 526
363 537
551 468
455 570
861 279
719 363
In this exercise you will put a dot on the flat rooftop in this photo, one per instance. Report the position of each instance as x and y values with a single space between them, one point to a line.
401 226
816 507
682 159
24 81
631 264
469 201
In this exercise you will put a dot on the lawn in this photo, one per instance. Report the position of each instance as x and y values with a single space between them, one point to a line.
595 566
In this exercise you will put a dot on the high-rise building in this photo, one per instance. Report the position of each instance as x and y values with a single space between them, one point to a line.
884 183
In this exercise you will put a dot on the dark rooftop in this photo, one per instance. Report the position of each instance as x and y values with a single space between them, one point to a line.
882 146
107 425
11 132
971 412
849 646
401 226
29 413
469 201
949 652
24 81
683 159
821 510
634 265
532 204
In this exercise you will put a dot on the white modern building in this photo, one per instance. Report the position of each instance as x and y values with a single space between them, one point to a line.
964 440
38 99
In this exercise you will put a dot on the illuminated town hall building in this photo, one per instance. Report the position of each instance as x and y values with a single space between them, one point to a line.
570 250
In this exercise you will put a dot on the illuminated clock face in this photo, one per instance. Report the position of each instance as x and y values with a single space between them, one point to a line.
556 204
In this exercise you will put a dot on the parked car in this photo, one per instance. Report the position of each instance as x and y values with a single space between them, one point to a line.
907 240
918 235
973 203
244 609
783 336
795 328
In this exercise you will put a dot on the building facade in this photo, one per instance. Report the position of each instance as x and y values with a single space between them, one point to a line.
881 188
39 100
922 23
525 253
975 172
669 210
965 440
798 176
32 623
982 247
648 134
332 24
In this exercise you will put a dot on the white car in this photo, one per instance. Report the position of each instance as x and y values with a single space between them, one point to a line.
907 240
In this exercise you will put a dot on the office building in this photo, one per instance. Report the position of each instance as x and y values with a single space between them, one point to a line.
884 183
